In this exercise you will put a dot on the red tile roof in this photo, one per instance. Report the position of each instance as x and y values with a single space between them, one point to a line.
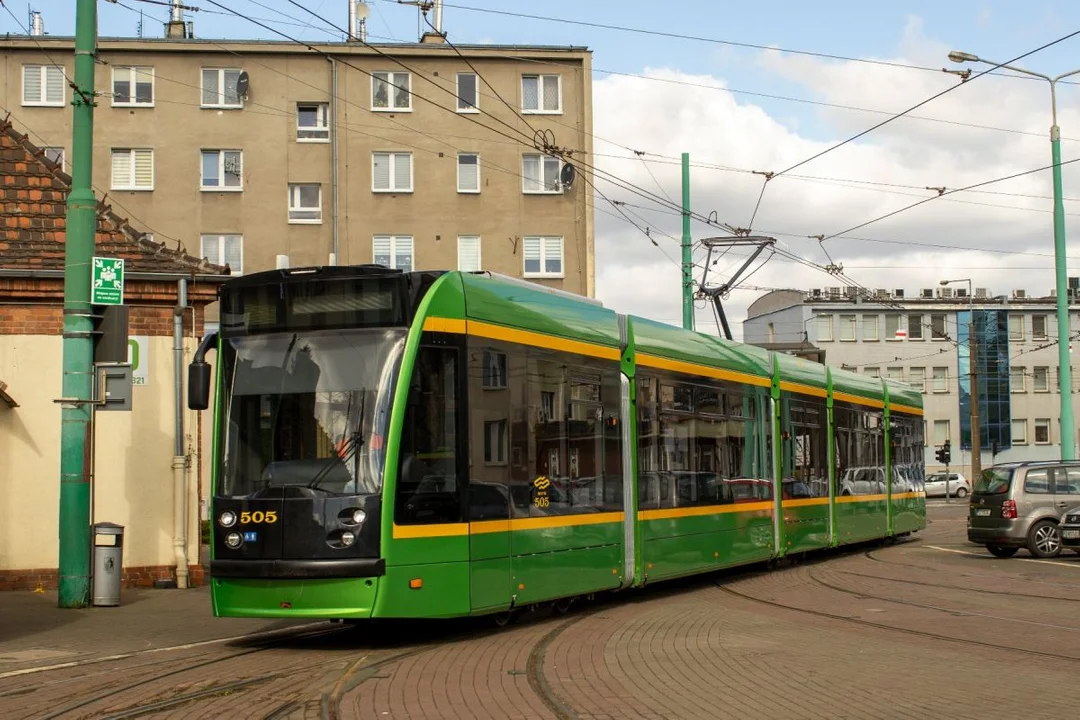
33 207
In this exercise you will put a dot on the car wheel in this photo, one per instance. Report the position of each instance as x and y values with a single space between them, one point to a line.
1002 551
961 493
1044 540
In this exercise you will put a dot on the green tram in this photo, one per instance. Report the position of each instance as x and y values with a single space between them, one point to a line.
438 444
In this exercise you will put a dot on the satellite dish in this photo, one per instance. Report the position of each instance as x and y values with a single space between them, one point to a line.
242 84
362 10
567 175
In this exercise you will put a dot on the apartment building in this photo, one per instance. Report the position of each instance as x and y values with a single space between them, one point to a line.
409 155
924 338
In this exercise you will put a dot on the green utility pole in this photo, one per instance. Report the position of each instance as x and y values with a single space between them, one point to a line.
1068 448
687 255
75 428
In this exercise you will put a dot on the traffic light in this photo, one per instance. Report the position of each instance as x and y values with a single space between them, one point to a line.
944 453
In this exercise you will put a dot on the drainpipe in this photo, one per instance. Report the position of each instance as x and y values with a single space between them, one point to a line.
334 246
180 461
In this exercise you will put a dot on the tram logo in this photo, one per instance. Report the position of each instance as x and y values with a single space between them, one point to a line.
542 485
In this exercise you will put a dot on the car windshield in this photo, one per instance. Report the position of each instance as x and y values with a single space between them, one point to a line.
308 410
994 481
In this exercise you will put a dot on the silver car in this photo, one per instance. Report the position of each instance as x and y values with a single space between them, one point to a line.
1019 505
958 485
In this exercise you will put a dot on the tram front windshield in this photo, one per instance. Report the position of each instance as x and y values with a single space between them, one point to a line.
308 412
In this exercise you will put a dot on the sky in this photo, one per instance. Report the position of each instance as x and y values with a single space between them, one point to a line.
740 111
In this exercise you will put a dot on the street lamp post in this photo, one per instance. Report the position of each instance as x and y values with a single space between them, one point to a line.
1068 447
976 427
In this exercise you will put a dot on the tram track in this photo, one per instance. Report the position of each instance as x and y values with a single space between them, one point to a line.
945 586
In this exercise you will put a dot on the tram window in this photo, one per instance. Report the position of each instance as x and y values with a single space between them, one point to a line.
428 490
805 449
495 440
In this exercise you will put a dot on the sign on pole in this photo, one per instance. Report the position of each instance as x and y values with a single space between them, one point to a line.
138 358
107 281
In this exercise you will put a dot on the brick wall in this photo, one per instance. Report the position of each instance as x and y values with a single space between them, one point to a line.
134 577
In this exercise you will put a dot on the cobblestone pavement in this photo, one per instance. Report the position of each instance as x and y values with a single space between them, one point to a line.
928 628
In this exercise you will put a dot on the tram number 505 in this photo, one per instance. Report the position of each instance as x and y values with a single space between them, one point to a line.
257 517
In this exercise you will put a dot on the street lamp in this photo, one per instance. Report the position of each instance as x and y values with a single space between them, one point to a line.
1068 448
976 428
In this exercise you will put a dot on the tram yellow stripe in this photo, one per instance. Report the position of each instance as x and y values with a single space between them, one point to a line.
858 400
408 532
805 502
906 409
802 389
699 510
446 325
863 498
522 337
662 363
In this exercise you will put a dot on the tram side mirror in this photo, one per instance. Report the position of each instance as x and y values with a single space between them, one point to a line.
198 385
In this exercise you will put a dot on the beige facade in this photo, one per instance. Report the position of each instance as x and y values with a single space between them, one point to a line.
398 180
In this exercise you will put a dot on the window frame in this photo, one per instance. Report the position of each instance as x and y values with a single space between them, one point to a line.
944 336
540 94
221 104
897 318
468 108
870 321
391 156
479 184
825 320
133 187
948 430
1022 371
479 252
1043 422
133 85
916 330
943 390
43 76
848 321
322 111
921 385
388 77
1035 378
542 273
1012 431
394 239
221 153
221 237
295 194
1045 334
1020 335
541 158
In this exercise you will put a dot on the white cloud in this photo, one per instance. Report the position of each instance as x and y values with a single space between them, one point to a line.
718 128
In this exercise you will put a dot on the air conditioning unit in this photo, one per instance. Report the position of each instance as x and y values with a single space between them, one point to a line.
961 292
898 293
981 292
881 293
834 292
1074 283
1019 294
927 293
945 292
851 291
816 293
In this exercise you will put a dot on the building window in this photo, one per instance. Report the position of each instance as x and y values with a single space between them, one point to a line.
917 378
870 328
133 169
872 372
892 326
1016 327
312 122
941 379
133 86
847 328
468 173
55 155
391 172
1040 379
1019 432
915 327
1017 379
43 85
941 431
937 327
468 92
305 203
1038 327
895 373
494 370
219 88
539 174
222 169
1042 431
541 94
468 253
393 251
225 250
495 442
543 257
824 328
390 91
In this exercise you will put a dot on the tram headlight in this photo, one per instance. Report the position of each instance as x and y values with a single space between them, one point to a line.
358 517
227 518
347 538
233 540
352 516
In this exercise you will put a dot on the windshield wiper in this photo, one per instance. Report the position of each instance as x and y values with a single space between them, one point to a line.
351 445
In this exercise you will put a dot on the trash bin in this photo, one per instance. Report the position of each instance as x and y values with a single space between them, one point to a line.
108 562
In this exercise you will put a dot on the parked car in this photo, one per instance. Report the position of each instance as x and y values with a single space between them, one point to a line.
958 485
1070 529
1020 505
